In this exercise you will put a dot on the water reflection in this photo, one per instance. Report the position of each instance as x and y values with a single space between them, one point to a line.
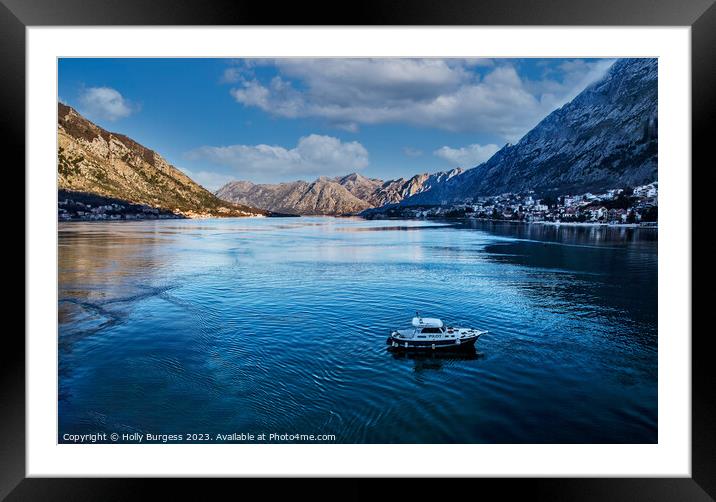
263 325
435 360
391 228
577 234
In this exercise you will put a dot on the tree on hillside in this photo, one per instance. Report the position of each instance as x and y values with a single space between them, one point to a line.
650 214
549 201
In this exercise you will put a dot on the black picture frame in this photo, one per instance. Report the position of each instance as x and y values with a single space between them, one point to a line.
700 15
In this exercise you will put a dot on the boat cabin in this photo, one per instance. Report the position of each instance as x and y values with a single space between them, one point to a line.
427 325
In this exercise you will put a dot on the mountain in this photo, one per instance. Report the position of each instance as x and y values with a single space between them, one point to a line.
395 191
606 137
341 195
94 161
322 196
361 187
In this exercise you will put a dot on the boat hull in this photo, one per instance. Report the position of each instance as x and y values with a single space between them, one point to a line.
452 344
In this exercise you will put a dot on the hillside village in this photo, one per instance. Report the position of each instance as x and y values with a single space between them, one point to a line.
78 206
627 206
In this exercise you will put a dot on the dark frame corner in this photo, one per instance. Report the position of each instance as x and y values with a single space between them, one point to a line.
700 15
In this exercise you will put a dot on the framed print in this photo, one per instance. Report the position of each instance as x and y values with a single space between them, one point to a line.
443 242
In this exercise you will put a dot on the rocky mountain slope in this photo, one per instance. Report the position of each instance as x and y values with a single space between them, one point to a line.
330 196
604 138
400 189
322 196
95 161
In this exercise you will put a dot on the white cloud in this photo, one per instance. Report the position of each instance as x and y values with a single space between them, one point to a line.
313 155
105 103
446 94
412 152
231 75
467 156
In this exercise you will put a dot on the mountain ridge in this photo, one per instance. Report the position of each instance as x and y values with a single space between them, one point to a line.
606 137
341 195
95 161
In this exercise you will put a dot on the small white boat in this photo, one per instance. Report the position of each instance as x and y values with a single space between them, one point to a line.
431 334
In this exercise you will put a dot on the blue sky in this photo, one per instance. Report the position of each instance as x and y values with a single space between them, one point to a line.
281 120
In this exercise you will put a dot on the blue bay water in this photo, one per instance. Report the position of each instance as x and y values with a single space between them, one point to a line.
279 325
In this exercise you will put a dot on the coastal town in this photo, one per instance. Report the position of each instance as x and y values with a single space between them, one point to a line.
636 206
75 206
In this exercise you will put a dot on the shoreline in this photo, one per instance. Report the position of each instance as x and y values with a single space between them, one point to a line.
279 215
583 224
586 224
178 217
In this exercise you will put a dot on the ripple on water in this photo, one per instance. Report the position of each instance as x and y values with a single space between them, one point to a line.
280 326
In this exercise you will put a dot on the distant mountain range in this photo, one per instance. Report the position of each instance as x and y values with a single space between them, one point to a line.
94 161
331 196
606 137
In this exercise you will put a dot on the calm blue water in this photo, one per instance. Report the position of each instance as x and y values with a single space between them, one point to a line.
279 326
